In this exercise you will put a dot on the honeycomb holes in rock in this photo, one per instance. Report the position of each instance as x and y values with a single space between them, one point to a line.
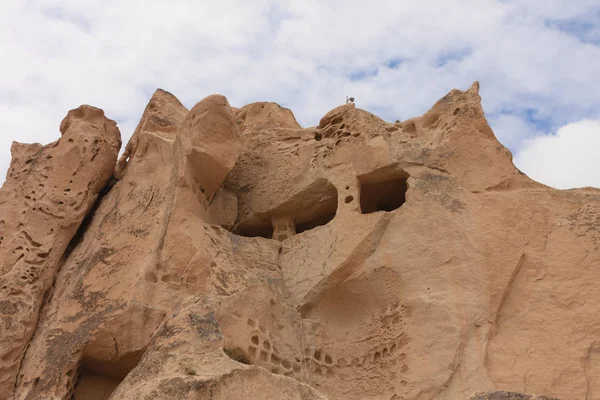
383 193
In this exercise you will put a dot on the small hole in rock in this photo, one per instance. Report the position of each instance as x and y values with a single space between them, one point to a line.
317 355
318 137
264 355
348 199
275 360
252 351
237 354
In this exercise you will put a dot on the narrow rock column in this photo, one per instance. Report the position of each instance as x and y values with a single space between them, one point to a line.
47 193
283 227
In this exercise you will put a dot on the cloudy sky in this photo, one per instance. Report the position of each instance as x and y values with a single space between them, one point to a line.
538 62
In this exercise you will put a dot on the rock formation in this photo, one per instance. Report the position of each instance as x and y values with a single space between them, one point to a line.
502 395
235 254
47 193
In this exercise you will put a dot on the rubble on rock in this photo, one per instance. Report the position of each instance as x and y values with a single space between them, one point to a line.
235 254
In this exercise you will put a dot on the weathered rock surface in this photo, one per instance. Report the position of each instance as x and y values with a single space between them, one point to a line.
47 193
502 395
239 255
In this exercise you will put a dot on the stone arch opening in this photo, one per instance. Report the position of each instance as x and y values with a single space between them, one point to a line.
383 190
313 206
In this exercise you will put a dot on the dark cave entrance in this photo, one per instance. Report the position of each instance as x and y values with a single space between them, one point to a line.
319 220
97 380
383 193
314 206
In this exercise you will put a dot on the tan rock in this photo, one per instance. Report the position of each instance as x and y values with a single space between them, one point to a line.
113 262
161 118
198 366
353 260
502 395
47 193
265 116
211 141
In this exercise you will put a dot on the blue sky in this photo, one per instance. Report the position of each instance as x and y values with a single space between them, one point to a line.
538 63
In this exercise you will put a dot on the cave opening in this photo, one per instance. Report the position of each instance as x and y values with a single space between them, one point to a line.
97 380
318 220
387 193
314 206
262 229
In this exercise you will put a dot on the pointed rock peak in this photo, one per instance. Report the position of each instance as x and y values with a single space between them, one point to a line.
474 87
464 106
85 114
162 117
24 150
266 114
160 92
164 105
457 97
161 97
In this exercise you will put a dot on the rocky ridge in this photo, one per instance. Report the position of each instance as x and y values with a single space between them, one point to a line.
230 253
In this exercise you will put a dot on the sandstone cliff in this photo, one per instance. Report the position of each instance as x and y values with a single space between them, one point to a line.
235 254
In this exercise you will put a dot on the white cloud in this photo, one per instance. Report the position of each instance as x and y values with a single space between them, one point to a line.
566 160
113 54
512 130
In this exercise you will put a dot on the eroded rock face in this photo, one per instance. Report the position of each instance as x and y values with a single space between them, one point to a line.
47 193
502 395
240 255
